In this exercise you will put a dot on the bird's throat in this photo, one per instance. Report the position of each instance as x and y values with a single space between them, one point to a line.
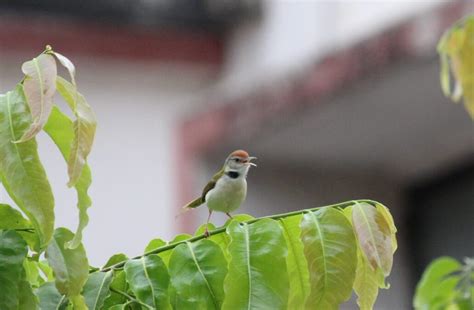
232 174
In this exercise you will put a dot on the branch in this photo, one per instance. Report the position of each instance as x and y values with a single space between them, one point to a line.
223 229
130 297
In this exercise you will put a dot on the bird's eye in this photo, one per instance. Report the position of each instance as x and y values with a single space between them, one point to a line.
237 160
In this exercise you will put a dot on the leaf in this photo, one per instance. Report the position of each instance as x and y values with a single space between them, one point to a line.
456 48
22 172
154 244
27 299
148 279
239 218
60 128
13 251
40 86
46 270
165 255
119 283
374 236
257 276
70 266
32 272
296 262
435 287
222 240
197 272
50 298
444 75
366 284
96 289
330 250
389 219
68 65
115 259
201 229
11 218
84 129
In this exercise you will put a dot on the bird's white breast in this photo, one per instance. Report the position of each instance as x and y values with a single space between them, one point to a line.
227 195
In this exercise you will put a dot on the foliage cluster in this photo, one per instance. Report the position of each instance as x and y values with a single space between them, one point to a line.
301 260
446 284
456 50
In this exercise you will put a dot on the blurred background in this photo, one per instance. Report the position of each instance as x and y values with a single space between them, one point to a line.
339 100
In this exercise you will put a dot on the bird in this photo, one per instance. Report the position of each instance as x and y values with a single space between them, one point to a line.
227 189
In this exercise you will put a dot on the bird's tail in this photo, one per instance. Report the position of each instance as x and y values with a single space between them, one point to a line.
191 205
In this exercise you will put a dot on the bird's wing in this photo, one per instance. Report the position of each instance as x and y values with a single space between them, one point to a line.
211 184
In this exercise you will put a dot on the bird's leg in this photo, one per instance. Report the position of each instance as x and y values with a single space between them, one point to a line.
206 232
228 214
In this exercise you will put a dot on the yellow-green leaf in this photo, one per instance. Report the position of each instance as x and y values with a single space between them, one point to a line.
70 266
149 280
23 175
84 129
366 284
296 262
330 250
197 272
60 129
257 276
374 235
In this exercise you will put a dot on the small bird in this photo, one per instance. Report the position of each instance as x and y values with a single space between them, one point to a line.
228 188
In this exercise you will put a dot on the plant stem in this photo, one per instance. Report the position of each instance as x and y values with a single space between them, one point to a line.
129 297
30 230
222 229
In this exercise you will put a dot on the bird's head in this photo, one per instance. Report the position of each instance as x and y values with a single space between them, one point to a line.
239 161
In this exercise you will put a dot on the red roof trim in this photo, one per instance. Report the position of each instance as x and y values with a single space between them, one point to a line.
87 38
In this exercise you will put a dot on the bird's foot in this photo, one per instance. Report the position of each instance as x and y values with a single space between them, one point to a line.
206 233
228 214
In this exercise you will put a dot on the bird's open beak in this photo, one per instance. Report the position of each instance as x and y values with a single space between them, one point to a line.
250 163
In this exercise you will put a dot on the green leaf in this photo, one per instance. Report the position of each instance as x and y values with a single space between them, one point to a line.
46 270
154 244
165 255
84 129
201 229
296 262
23 175
222 240
115 259
435 287
239 218
32 272
27 299
70 266
257 276
60 128
374 236
119 283
197 272
13 251
149 280
330 250
366 284
11 218
96 289
40 86
50 298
